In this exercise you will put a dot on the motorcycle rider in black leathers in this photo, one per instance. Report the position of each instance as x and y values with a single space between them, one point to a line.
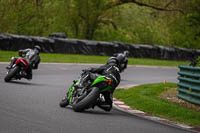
111 70
33 58
123 60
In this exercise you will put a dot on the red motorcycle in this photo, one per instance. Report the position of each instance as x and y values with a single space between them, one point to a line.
17 70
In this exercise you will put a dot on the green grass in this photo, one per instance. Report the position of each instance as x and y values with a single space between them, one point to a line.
5 56
146 98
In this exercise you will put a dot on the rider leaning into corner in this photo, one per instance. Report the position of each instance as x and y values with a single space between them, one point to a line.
111 70
32 56
123 59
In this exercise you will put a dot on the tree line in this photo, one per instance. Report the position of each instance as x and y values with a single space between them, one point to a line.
155 22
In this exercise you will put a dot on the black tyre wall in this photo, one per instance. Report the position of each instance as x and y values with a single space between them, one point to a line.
88 47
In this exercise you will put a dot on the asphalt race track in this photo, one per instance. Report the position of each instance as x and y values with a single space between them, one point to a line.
33 106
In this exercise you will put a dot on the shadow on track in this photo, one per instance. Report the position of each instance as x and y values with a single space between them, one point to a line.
98 112
90 111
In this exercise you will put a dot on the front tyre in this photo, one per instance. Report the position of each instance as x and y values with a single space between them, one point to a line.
11 73
87 101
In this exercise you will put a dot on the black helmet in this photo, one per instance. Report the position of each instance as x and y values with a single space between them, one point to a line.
120 58
126 53
37 47
113 61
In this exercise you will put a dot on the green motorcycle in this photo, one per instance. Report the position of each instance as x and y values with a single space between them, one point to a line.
81 98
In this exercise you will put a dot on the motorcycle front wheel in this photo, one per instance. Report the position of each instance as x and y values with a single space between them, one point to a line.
11 73
87 101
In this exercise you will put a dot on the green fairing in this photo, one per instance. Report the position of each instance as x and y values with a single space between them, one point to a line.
97 80
100 79
71 90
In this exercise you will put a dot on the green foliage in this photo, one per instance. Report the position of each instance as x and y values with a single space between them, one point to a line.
140 24
197 61
110 34
105 21
185 30
135 25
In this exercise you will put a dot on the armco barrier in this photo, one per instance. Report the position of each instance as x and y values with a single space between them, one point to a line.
189 84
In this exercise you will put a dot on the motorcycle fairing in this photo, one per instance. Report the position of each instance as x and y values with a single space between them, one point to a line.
23 62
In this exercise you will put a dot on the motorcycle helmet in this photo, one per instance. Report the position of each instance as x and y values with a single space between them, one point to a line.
37 47
113 61
120 58
126 53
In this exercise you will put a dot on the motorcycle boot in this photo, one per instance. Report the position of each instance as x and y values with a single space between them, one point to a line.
103 105
105 102
28 76
29 73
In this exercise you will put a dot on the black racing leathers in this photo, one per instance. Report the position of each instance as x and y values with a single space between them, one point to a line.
113 73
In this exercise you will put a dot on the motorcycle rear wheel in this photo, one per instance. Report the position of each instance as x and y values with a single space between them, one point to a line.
87 101
12 73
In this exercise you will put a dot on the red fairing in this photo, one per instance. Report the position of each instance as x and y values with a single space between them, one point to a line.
24 61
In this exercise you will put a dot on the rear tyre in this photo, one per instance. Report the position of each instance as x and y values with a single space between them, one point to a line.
12 73
86 102
64 102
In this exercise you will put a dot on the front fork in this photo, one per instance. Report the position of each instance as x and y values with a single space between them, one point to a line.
69 94
75 93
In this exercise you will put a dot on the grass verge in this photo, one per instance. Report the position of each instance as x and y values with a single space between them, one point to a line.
147 98
5 56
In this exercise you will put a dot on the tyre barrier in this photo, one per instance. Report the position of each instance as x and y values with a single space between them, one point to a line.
57 43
